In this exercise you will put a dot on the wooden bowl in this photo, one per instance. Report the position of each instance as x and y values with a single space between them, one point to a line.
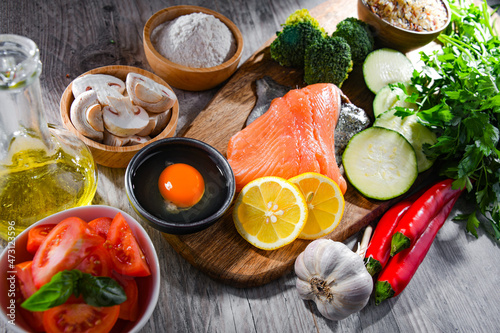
184 77
388 35
111 156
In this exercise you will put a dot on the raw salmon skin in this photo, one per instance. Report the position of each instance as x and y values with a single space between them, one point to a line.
294 136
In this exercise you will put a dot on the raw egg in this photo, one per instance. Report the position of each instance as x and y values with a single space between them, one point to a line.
181 185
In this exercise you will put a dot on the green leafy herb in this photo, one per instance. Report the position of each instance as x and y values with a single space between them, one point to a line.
101 291
458 97
56 292
96 291
472 222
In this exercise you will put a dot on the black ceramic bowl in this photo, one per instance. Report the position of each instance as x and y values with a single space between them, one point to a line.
143 172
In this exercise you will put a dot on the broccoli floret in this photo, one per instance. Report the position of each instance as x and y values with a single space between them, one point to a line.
303 15
299 30
328 60
359 37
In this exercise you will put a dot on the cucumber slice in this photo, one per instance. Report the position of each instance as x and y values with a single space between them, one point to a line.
387 99
416 133
384 66
380 163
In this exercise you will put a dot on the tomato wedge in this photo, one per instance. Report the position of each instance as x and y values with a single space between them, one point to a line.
101 225
25 278
97 263
127 256
129 310
36 236
26 288
64 248
80 318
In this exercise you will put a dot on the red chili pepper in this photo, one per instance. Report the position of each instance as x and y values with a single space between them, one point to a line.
420 214
378 251
401 268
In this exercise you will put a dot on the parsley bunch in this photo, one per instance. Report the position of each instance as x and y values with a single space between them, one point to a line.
457 92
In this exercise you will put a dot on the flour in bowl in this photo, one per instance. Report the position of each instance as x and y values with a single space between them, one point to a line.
195 40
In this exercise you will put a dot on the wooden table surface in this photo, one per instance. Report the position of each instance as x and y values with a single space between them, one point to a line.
456 288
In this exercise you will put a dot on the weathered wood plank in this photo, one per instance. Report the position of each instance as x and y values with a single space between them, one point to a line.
455 289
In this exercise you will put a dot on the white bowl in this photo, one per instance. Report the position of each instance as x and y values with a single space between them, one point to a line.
149 287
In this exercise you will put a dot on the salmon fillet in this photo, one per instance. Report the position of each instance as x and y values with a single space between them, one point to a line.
294 136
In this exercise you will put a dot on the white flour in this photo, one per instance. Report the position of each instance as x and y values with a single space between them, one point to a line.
195 40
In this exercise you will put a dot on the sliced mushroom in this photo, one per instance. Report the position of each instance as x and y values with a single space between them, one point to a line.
97 82
118 141
149 94
157 122
122 118
104 95
137 140
86 115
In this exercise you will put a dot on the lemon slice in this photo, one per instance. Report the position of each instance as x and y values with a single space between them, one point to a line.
270 212
324 201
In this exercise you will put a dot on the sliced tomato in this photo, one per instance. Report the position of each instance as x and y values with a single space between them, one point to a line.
80 318
36 236
129 310
101 225
25 279
97 263
33 319
26 288
127 256
64 248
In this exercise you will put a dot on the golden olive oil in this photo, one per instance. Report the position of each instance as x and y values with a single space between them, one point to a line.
35 184
43 170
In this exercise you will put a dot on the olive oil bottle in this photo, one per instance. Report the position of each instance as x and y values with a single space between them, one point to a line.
43 170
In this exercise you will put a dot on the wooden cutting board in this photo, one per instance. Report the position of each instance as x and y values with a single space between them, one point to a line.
220 251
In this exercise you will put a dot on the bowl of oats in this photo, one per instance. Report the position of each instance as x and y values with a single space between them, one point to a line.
405 25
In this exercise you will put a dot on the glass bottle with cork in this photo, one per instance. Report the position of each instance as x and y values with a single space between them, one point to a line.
43 169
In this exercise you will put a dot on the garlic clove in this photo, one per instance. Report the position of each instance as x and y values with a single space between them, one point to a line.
329 310
300 269
333 269
304 290
335 309
313 250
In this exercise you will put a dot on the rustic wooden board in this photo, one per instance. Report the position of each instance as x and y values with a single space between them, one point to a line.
220 251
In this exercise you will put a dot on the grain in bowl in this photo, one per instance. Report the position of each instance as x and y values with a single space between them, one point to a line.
414 15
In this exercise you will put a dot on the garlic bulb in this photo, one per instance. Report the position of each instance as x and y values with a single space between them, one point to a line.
334 277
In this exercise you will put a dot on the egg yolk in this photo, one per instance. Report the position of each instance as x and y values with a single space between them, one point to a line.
181 184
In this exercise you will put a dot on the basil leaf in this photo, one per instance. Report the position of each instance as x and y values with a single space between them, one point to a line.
101 291
54 293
